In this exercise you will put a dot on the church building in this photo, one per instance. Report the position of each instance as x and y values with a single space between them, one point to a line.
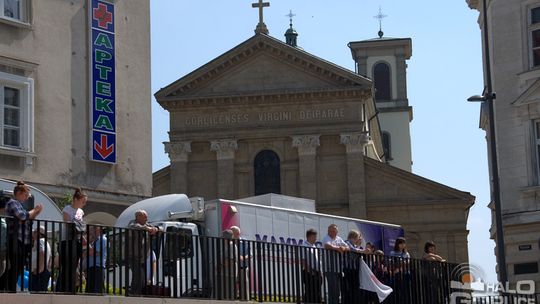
269 117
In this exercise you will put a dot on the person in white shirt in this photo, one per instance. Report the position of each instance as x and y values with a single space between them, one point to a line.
151 269
40 261
335 247
244 252
311 269
71 244
228 268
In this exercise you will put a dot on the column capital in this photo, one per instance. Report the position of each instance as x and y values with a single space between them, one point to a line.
355 142
306 144
178 151
224 148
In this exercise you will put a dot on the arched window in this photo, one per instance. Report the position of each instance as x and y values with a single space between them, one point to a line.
387 145
381 77
267 173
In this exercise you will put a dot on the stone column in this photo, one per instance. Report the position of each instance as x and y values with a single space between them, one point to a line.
361 62
307 152
178 154
225 166
401 77
356 178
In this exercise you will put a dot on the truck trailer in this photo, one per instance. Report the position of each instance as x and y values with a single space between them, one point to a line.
197 226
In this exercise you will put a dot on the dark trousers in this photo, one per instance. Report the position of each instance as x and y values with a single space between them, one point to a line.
4 277
138 280
13 260
94 281
17 256
227 286
40 282
401 283
312 286
243 284
70 253
333 279
351 286
4 281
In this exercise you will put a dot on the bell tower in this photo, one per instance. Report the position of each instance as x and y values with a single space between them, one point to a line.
383 60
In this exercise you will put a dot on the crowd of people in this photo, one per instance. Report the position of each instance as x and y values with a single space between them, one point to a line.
29 249
339 265
80 257
336 263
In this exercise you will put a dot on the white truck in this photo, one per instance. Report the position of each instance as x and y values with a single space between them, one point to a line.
261 219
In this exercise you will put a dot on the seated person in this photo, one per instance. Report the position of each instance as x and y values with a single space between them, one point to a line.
429 253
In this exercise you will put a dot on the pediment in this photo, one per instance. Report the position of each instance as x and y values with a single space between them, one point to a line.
387 184
531 95
262 65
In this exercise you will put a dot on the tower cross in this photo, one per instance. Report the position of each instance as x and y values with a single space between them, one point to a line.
290 15
380 16
261 27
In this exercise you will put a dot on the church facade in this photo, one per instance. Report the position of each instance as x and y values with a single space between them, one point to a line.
268 117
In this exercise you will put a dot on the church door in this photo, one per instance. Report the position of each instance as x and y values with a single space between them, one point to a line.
267 176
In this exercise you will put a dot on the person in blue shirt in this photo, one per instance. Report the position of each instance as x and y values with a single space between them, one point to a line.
400 249
97 260
401 279
350 286
311 268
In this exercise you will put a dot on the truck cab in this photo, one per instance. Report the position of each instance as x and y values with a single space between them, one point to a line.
180 260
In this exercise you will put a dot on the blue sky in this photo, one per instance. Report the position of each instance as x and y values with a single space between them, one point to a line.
444 70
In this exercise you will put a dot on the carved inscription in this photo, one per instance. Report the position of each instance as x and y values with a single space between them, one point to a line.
322 114
275 116
257 117
212 120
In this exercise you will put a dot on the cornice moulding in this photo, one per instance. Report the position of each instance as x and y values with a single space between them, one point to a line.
264 97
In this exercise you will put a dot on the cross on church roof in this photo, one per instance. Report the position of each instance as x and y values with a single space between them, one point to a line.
380 16
290 15
261 27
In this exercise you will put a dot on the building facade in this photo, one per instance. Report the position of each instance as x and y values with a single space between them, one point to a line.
75 81
268 117
514 42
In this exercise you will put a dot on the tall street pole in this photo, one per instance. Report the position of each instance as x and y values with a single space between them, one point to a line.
496 190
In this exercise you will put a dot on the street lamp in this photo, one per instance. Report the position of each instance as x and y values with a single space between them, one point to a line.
489 98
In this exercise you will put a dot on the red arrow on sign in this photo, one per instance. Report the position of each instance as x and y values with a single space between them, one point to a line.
103 150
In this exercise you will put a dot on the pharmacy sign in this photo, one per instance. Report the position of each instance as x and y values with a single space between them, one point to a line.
102 81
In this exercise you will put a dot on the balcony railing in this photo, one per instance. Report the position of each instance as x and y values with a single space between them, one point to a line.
119 261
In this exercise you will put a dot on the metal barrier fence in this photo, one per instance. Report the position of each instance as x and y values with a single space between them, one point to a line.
62 258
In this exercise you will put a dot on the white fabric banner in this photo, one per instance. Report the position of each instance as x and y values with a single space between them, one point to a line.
368 281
